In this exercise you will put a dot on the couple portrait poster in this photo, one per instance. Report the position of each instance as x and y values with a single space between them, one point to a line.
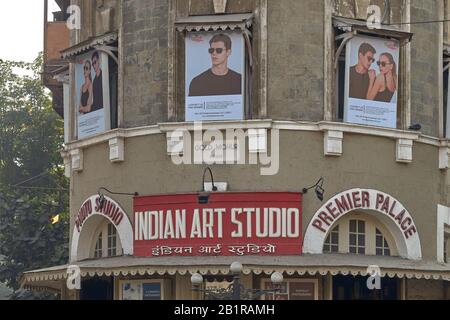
92 93
215 76
371 89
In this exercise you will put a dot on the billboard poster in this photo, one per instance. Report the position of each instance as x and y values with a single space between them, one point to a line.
223 224
371 81
92 100
215 70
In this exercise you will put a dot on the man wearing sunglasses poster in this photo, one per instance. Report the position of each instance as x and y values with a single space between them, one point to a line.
361 74
219 80
97 103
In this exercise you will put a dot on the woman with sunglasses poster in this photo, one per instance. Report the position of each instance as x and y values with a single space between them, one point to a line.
383 87
86 94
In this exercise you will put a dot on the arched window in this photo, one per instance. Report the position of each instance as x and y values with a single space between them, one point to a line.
360 233
382 246
107 242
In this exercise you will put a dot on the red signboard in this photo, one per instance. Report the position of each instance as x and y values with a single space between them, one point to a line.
223 224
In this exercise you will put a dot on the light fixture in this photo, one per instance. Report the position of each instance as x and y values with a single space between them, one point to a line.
102 196
415 127
203 198
318 189
214 188
236 267
236 290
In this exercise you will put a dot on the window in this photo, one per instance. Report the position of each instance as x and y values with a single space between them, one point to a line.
92 107
368 76
98 247
107 242
112 241
332 242
357 237
223 89
382 247
361 234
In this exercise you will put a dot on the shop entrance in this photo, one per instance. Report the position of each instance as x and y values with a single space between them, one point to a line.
97 289
355 288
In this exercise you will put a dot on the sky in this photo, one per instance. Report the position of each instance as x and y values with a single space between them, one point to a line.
21 28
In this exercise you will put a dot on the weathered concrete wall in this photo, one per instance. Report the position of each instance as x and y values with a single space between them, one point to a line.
358 9
145 62
295 55
368 162
425 68
295 59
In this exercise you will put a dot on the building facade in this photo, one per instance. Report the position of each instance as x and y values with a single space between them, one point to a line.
291 120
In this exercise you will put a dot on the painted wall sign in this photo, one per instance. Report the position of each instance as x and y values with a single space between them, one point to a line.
110 209
365 199
89 218
229 224
390 211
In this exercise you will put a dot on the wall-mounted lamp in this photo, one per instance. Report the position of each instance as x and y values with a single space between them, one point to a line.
415 127
102 196
214 188
203 198
318 189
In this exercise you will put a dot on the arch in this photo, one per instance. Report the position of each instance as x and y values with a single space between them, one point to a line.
388 210
90 217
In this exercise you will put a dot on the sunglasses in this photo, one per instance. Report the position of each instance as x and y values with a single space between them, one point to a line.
86 68
371 60
383 63
218 50
94 61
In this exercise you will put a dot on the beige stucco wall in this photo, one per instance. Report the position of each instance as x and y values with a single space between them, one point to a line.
367 162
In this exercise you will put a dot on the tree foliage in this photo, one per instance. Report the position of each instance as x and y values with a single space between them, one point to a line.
31 135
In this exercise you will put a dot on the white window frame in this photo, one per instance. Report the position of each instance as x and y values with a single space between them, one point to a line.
371 224
103 229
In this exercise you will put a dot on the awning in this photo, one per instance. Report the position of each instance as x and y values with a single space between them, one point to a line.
325 264
215 22
348 25
91 43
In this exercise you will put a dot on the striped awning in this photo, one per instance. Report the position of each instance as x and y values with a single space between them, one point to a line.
89 44
324 264
215 22
347 25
